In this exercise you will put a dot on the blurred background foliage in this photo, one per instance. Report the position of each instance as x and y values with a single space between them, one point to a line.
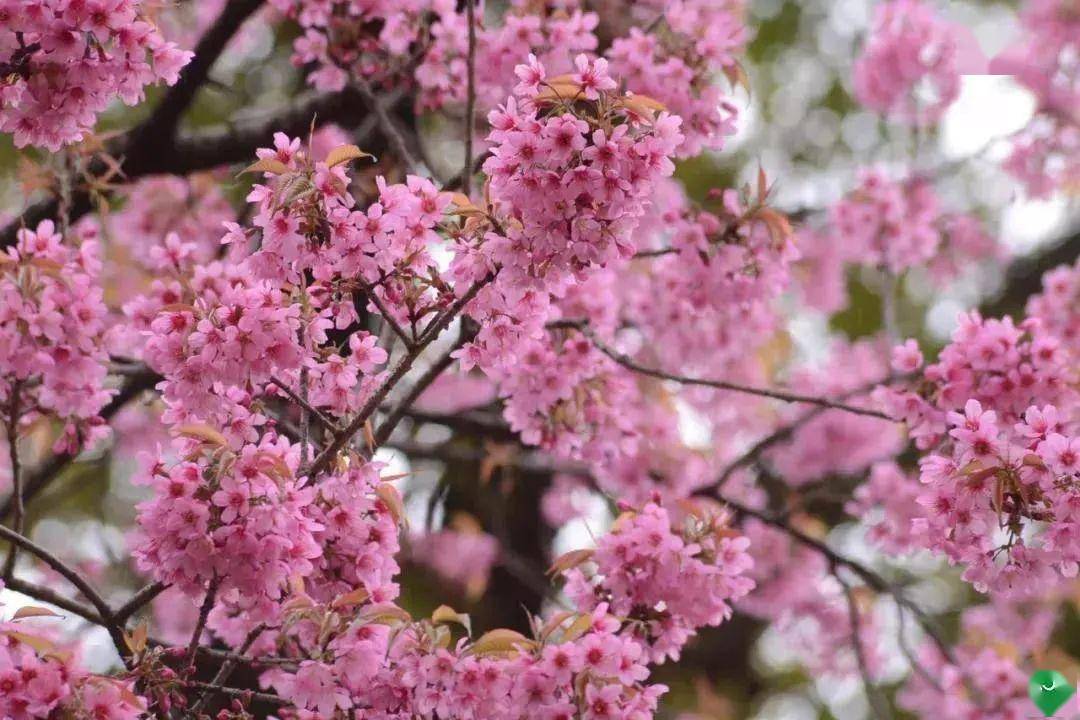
802 126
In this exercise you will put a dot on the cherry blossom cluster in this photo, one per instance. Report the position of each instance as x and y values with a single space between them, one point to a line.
1046 154
387 666
677 57
1057 307
460 553
64 62
572 169
837 442
909 67
241 517
39 678
888 503
667 582
52 324
572 166
996 415
892 224
239 332
901 224
709 303
426 42
993 662
567 397
169 223
554 32
807 606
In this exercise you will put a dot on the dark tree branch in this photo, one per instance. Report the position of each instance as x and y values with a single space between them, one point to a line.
207 150
1024 277
44 594
227 667
138 600
470 98
163 122
868 576
430 375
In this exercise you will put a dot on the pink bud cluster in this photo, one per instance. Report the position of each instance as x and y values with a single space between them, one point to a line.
64 61
909 67
52 325
667 581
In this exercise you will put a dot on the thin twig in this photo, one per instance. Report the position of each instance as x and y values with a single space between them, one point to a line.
11 428
868 576
631 364
754 453
400 370
138 600
204 613
389 319
386 123
75 579
228 666
877 703
238 693
41 477
328 423
916 666
470 98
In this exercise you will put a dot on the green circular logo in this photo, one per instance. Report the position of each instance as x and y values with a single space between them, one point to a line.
1049 690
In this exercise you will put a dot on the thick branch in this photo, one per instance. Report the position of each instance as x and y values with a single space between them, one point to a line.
212 149
1024 277
163 122
138 600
